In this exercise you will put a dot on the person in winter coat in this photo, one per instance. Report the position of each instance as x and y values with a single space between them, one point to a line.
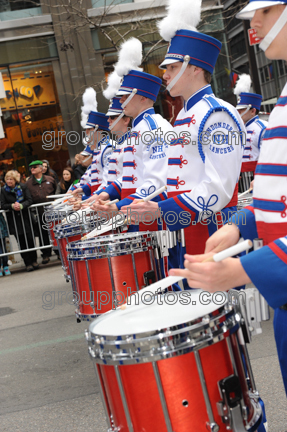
40 186
49 171
4 259
17 198
66 181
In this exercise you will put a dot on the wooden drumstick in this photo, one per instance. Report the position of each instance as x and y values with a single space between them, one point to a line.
63 206
111 202
230 252
170 280
106 203
96 232
59 196
146 199
153 195
153 288
88 210
63 199
245 193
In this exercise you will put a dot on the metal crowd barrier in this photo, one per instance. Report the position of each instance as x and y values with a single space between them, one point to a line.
36 231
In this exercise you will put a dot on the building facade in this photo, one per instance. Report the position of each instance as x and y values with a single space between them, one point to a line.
270 76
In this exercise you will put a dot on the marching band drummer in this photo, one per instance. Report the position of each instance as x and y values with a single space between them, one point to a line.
266 268
204 159
119 125
96 125
87 155
146 155
248 106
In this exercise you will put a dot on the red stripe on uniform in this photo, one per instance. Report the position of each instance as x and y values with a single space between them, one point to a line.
116 187
279 252
178 202
250 209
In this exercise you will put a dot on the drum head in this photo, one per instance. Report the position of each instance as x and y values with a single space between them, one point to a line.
170 309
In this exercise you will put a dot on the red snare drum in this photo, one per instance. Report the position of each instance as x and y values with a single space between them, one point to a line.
64 234
175 365
53 217
106 269
70 232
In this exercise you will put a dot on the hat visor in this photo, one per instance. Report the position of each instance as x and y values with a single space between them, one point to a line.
123 92
113 113
84 153
241 106
249 10
166 62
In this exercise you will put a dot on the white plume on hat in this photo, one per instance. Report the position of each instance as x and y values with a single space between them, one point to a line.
90 104
243 84
181 15
130 57
114 83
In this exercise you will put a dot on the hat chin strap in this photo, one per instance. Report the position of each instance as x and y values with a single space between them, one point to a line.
85 160
124 104
117 120
246 111
271 35
180 73
87 138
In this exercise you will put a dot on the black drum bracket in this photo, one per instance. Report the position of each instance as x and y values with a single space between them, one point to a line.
231 408
149 277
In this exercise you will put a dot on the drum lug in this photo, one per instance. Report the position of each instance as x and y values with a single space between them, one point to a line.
254 395
91 352
164 243
230 409
113 428
212 427
88 336
237 299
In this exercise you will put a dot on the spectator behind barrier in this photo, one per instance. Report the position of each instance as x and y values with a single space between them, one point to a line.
40 186
4 259
48 171
16 197
67 179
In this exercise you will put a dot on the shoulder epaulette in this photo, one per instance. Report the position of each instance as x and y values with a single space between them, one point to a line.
150 121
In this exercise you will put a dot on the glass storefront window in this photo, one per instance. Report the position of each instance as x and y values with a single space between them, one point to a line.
101 3
27 49
14 9
31 107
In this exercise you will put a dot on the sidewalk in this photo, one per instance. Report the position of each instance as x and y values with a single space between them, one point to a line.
47 380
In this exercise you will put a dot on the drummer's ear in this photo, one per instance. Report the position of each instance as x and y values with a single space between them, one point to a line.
127 120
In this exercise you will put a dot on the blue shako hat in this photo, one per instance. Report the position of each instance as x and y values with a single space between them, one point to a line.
99 120
246 99
146 85
115 107
202 49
